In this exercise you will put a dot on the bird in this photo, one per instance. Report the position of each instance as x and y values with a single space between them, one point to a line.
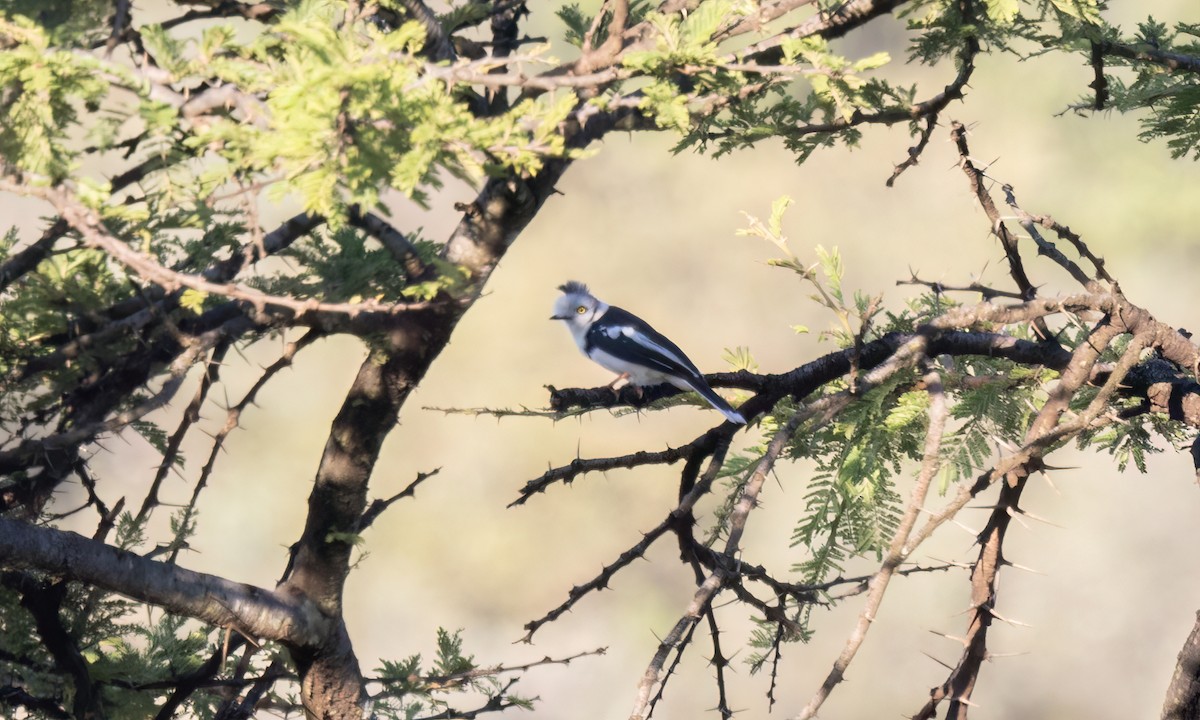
622 342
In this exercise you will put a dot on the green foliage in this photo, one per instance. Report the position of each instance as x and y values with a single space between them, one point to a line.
460 16
131 653
943 27
25 660
994 400
343 265
130 532
153 434
740 358
827 283
836 94
43 89
411 690
851 504
320 111
682 39
577 23
65 289
733 477
1136 438
1168 99
346 114
72 23
329 116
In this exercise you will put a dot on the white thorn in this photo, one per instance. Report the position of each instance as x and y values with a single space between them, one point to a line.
1010 621
1026 568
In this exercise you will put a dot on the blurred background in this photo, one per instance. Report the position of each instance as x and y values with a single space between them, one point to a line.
1116 590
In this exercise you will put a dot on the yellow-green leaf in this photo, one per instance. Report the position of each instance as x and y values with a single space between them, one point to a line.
1086 10
193 300
778 208
871 62
705 20
1003 11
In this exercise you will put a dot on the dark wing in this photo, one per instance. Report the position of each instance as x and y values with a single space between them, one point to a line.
626 336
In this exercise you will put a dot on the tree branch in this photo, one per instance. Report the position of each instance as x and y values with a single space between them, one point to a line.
43 601
976 178
720 439
1176 62
377 507
711 585
899 549
944 339
1183 694
191 414
260 613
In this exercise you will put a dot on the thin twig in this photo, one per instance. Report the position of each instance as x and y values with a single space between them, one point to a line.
190 415
1044 246
376 508
232 421
85 221
708 589
899 548
720 445
1008 242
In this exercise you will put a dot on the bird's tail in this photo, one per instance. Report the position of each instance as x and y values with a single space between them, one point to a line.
716 400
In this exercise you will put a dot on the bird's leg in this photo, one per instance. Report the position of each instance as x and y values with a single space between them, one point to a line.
613 385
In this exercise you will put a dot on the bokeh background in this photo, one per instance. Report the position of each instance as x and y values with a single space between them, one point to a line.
1116 590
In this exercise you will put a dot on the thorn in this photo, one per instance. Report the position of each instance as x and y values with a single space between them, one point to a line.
1055 467
939 662
955 638
992 655
965 701
968 609
972 533
1040 519
1046 477
1015 514
1002 444
954 563
1026 568
1010 621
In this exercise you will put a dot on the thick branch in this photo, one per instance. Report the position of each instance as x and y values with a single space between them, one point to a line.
27 259
1183 695
254 611
44 602
1170 60
808 377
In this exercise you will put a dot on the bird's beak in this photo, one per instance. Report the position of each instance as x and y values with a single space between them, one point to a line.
559 317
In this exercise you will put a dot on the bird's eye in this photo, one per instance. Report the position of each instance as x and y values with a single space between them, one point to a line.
581 309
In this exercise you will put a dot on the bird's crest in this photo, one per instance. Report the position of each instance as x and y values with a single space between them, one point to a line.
571 286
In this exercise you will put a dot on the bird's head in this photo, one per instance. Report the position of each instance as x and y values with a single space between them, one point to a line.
577 307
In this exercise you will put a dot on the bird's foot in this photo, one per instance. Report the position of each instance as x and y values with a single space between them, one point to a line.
613 385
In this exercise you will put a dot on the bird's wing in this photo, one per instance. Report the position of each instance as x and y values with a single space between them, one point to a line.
627 337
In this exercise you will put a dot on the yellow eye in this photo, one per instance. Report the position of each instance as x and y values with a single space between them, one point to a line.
581 309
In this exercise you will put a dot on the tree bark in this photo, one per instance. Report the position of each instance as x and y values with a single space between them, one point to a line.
330 678
253 611
1183 694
